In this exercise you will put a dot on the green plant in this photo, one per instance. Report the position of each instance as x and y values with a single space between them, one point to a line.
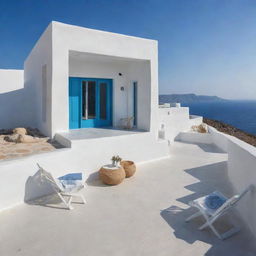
116 160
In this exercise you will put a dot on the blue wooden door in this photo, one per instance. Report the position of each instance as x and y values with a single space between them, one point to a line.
74 103
90 102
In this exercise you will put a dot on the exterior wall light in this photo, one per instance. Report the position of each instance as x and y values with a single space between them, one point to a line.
122 88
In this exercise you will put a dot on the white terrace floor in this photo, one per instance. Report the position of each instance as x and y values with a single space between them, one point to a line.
131 218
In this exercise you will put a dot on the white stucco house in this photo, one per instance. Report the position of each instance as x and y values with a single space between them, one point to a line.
77 86
70 63
76 78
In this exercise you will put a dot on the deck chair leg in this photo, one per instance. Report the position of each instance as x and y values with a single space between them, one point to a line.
206 224
193 216
83 199
223 236
215 231
210 225
81 196
67 204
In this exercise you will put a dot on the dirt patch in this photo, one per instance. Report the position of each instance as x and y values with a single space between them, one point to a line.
11 150
231 130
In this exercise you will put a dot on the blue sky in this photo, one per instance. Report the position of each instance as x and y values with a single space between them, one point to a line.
205 46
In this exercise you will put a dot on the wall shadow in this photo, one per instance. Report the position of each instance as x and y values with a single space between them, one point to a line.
238 245
16 108
210 178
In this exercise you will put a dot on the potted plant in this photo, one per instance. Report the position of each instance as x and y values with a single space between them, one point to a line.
116 160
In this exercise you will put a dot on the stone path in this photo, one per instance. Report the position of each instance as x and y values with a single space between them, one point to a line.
10 150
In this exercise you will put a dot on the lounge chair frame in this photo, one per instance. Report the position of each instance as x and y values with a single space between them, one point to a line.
62 192
212 217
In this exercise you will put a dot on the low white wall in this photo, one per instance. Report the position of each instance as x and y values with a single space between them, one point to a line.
11 80
241 168
195 120
194 137
219 139
241 172
14 99
172 121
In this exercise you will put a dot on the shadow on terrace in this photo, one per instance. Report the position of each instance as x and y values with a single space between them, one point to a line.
211 177
145 215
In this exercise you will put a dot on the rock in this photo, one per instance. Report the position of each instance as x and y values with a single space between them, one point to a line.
18 138
13 138
2 157
202 128
34 132
30 139
21 131
22 151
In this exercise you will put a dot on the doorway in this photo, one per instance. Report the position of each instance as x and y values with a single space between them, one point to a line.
90 102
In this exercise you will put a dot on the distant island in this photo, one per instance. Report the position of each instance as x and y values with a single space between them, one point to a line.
187 98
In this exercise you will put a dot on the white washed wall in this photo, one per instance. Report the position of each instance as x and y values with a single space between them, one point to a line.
172 121
241 172
11 80
15 106
41 55
195 120
241 169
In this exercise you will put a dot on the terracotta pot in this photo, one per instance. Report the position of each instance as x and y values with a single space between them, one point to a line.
111 175
129 167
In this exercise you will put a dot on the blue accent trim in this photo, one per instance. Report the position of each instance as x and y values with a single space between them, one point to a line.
135 103
75 103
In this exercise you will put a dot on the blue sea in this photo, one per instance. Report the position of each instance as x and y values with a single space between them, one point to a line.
241 114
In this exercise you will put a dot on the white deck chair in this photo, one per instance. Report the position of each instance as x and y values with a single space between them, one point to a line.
211 215
64 191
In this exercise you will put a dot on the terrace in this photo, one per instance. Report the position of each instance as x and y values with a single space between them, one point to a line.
142 216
